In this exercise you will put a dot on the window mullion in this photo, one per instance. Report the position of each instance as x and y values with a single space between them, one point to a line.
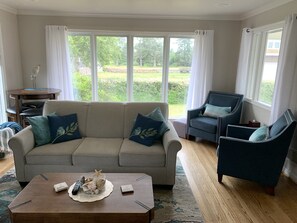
130 68
94 68
166 51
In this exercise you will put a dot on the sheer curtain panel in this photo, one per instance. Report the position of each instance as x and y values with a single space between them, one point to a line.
243 62
57 57
285 82
201 69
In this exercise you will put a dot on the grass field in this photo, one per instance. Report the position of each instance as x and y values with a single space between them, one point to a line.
112 86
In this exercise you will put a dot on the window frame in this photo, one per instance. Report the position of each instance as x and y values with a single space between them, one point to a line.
256 62
130 53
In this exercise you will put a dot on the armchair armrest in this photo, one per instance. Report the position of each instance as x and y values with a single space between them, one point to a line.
21 144
240 132
194 113
257 161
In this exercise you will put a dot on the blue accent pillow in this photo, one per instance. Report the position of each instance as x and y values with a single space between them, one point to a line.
63 128
145 130
157 115
40 129
216 111
260 134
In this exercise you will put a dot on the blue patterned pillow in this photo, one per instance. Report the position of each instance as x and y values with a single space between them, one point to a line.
63 128
157 115
145 130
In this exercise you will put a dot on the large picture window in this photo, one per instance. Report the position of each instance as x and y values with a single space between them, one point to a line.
264 55
126 67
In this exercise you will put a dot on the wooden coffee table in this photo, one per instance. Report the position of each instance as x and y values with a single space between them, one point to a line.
38 202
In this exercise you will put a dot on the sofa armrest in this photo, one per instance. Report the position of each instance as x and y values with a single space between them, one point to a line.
21 144
171 143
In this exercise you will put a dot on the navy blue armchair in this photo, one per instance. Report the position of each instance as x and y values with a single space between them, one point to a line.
211 128
259 161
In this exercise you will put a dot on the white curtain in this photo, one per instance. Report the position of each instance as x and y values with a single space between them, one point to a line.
201 69
243 62
58 62
286 70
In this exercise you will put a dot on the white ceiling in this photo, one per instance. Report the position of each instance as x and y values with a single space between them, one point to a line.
188 9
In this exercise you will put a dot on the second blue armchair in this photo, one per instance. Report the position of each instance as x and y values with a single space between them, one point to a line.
211 128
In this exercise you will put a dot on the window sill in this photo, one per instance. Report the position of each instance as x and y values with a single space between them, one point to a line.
258 104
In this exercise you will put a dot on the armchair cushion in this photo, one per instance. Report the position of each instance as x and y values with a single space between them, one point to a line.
223 100
260 134
204 123
216 111
278 126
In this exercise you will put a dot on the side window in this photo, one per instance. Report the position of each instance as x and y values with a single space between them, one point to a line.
263 65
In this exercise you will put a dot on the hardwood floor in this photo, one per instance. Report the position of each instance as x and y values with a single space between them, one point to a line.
235 200
6 164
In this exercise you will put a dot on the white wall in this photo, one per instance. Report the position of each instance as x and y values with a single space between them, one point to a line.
252 111
11 50
226 45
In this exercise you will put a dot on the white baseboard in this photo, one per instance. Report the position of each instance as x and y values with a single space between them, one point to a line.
290 170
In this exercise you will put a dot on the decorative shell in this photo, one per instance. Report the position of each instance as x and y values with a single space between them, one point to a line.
95 184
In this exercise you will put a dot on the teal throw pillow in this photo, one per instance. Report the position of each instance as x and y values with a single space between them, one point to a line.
63 128
260 134
40 129
216 111
157 115
145 130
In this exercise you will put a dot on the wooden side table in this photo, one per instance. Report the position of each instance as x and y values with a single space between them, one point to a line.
31 94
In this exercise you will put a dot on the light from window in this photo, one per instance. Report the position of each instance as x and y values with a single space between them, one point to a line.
269 69
263 63
80 58
112 68
100 66
180 59
147 69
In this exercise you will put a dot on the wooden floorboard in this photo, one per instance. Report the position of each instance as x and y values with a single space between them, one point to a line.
235 200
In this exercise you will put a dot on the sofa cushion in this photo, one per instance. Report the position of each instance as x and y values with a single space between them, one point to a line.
105 120
98 152
135 154
145 130
53 154
63 128
206 124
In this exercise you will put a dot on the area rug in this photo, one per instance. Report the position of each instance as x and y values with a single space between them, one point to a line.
171 206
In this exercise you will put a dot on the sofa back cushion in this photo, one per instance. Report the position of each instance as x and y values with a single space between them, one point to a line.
105 120
133 108
69 107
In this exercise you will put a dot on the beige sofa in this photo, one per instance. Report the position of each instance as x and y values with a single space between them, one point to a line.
105 144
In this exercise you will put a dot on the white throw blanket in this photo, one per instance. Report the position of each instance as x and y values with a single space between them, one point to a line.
5 135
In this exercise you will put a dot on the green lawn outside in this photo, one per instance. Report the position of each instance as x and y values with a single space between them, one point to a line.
147 87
